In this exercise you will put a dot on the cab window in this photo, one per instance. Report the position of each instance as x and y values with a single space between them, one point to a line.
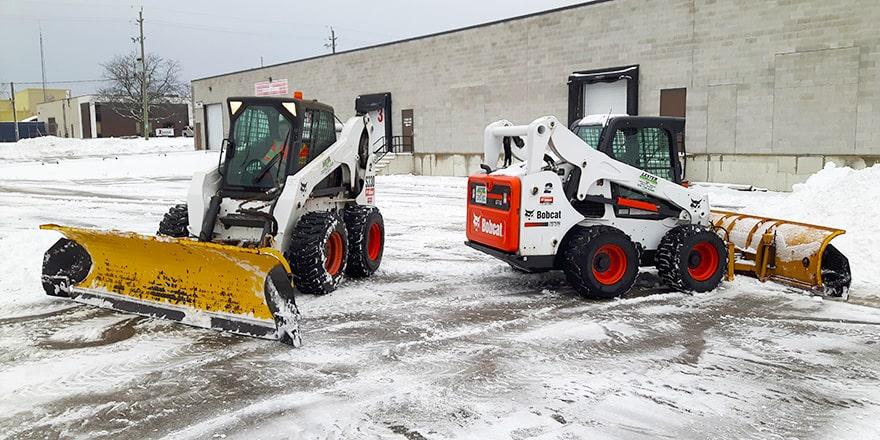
319 133
260 133
647 149
324 132
591 134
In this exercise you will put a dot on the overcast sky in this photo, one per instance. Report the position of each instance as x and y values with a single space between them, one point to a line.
210 37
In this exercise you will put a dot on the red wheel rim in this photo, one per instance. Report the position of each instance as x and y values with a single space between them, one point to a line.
703 261
609 264
333 253
374 242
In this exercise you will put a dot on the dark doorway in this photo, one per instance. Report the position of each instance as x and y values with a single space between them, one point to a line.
380 102
406 118
673 102
85 121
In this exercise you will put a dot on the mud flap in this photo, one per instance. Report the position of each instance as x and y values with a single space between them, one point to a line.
798 254
227 288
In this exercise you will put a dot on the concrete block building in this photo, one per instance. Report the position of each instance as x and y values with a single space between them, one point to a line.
771 90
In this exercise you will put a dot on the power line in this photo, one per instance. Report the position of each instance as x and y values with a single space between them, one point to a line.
75 81
67 19
78 3
221 30
360 31
265 20
195 27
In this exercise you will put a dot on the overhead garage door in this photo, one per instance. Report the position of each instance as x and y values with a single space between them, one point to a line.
214 125
604 98
603 91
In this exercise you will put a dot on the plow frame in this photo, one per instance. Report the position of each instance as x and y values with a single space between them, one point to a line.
758 256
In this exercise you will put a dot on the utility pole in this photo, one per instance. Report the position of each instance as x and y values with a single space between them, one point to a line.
43 65
14 114
331 41
144 102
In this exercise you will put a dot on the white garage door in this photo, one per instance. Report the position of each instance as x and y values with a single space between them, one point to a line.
603 98
214 125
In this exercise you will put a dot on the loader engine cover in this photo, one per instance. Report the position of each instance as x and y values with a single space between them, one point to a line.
493 211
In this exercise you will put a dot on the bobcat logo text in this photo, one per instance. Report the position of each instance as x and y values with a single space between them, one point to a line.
487 226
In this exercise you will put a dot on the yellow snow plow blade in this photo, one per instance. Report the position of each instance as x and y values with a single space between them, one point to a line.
798 254
240 290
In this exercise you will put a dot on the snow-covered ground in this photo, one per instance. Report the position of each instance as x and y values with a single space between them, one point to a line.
443 342
51 148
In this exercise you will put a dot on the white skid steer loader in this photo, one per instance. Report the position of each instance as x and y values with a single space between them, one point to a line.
599 210
289 207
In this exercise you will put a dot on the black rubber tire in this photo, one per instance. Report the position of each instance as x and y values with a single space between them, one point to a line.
359 220
676 254
836 275
175 222
66 263
307 255
580 257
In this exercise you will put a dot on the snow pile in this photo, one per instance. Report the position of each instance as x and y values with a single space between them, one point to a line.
839 197
51 147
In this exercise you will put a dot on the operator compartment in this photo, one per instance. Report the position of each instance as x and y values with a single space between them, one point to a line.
493 211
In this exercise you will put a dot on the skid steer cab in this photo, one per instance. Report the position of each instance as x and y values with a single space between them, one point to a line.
606 197
289 208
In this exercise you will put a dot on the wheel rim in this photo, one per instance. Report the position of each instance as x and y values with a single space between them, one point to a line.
374 242
609 264
333 252
703 261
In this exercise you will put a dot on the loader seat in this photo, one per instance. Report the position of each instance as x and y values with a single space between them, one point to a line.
584 207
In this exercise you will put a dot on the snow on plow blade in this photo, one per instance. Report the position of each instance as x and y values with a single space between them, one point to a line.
797 254
228 288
